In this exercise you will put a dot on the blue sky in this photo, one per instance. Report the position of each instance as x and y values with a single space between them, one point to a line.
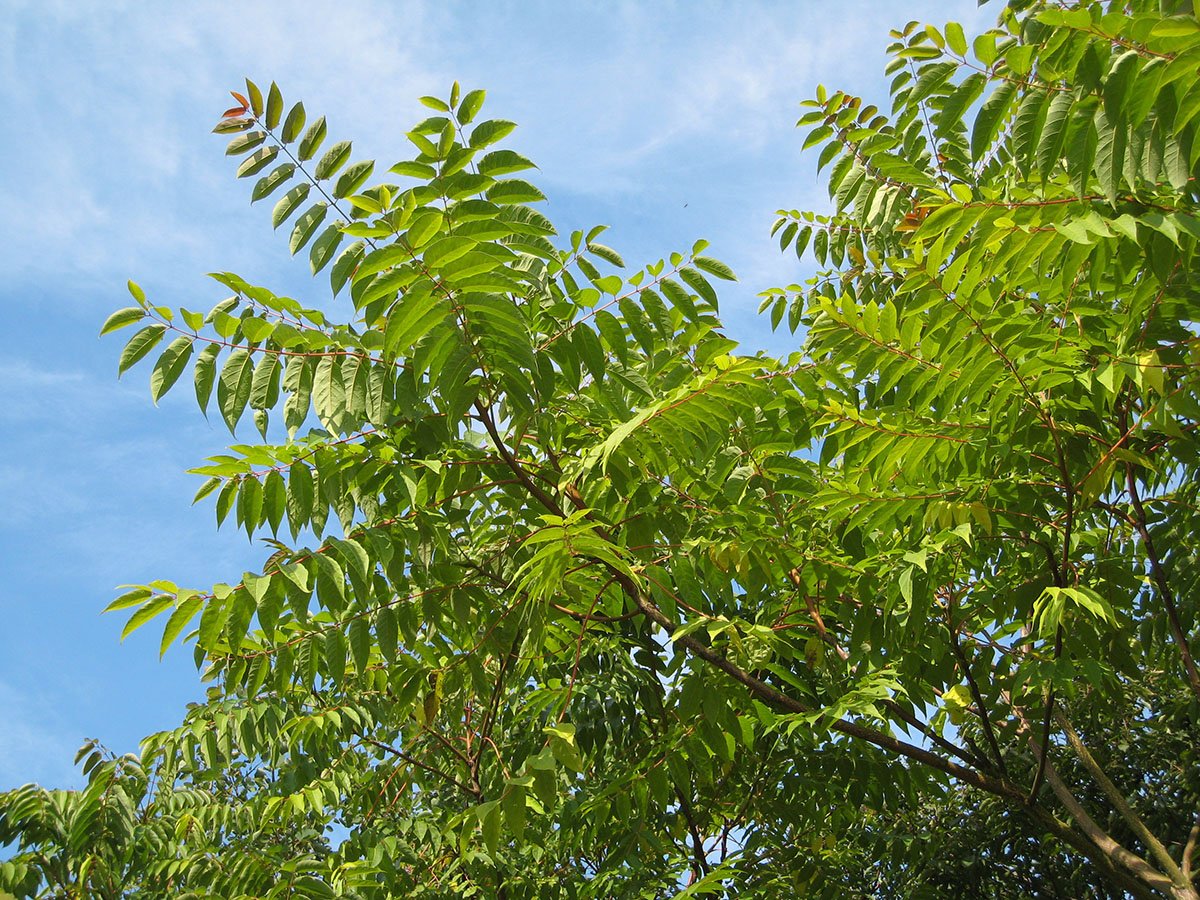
667 121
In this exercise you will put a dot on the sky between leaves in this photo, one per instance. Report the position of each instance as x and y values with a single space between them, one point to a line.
668 121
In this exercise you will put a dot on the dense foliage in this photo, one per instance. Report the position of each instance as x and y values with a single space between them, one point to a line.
594 605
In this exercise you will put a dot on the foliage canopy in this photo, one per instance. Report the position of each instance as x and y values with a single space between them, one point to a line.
596 606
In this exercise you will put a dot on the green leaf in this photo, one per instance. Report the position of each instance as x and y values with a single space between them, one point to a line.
1054 133
610 329
408 322
205 374
264 385
445 250
470 106
590 349
266 185
1117 86
513 190
680 298
1110 155
714 267
250 504
255 97
135 597
170 366
213 618
991 116
424 226
347 261
335 157
512 802
331 582
386 633
956 39
487 133
491 822
954 107
184 613
121 318
608 254
699 284
984 46
359 634
257 161
274 106
293 123
329 392
353 178
306 225
145 613
300 496
139 345
233 387
289 203
414 170
232 126
639 325
245 142
1083 140
324 247
274 499
504 162
312 140
207 488
1027 128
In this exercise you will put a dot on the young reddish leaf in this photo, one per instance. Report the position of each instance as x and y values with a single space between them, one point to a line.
233 111
240 99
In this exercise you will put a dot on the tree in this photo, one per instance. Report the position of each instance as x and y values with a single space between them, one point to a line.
608 609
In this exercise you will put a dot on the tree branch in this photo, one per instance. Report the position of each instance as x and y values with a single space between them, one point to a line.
1096 843
413 761
1160 580
1132 819
700 865
485 416
1044 755
976 695
1190 849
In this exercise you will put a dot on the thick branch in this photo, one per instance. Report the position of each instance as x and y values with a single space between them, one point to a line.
1132 819
1160 580
1072 838
781 701
1098 841
1190 849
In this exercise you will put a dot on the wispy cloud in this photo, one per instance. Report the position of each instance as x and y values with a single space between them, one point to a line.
116 171
36 745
